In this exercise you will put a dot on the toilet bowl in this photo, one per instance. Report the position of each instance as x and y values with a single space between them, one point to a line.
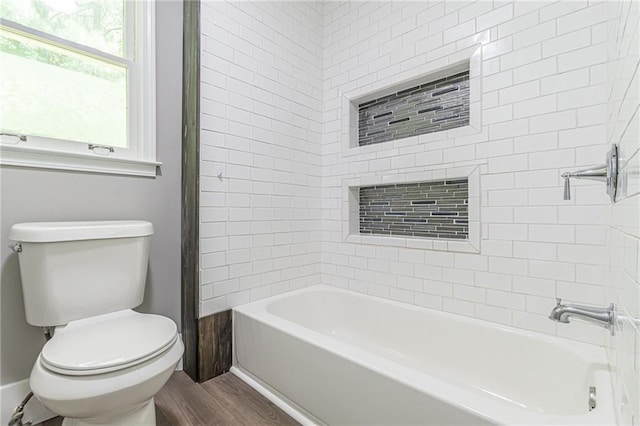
104 362
106 369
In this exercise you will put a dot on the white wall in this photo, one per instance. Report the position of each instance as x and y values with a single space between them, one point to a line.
261 102
543 112
623 103
43 195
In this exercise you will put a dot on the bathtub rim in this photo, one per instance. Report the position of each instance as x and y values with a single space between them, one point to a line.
468 400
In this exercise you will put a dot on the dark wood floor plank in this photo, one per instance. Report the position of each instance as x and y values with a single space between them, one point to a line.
161 420
56 421
245 404
184 403
223 400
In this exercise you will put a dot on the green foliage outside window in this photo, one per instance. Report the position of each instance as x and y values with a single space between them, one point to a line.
51 91
95 23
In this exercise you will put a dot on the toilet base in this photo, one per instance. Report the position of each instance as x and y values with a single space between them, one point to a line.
143 415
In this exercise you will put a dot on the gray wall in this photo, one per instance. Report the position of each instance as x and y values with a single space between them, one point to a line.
42 195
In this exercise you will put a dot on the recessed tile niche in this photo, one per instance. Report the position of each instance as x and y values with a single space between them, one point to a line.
401 111
431 106
435 210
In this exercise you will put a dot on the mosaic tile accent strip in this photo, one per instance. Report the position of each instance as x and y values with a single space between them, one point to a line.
437 209
431 107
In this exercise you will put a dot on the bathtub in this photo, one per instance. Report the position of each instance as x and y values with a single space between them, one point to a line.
331 356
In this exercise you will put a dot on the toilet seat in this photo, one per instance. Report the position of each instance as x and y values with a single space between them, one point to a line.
107 343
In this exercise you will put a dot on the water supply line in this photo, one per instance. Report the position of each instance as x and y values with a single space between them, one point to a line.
18 413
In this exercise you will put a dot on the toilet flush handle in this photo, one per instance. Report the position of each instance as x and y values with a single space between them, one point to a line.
16 247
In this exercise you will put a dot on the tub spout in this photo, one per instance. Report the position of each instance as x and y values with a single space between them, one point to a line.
605 317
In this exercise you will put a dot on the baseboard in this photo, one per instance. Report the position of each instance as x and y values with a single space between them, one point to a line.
214 345
12 394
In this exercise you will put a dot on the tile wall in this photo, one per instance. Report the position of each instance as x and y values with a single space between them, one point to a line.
543 112
623 104
261 102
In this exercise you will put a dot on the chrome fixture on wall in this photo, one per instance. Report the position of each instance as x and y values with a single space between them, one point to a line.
605 317
607 173
592 398
21 138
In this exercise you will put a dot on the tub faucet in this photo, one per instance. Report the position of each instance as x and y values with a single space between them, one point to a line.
605 317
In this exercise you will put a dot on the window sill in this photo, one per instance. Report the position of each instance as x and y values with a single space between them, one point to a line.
20 156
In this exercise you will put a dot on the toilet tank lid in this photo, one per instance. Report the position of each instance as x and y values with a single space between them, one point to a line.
48 232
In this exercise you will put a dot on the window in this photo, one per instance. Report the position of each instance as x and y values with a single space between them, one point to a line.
78 85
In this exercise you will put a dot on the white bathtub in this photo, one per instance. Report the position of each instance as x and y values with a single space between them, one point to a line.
339 357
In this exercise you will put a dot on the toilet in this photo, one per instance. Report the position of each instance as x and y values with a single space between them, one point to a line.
105 362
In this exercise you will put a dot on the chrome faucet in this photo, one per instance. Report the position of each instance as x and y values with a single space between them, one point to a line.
607 173
605 317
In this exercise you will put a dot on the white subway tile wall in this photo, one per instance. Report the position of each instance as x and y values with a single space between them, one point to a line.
623 281
261 103
554 73
542 85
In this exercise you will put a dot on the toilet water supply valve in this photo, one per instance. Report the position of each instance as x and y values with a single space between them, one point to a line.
18 412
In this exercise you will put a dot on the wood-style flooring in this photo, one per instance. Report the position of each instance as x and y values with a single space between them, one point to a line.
223 400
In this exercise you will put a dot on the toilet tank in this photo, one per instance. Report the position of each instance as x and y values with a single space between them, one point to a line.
74 270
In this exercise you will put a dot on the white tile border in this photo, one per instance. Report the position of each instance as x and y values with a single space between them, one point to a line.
350 210
350 100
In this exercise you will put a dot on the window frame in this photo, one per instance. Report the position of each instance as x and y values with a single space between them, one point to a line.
139 59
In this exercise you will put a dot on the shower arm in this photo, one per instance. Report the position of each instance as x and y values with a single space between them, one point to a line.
607 173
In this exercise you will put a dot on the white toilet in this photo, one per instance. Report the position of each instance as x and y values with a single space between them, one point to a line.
105 362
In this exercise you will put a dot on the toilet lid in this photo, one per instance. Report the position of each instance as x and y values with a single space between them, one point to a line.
107 343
